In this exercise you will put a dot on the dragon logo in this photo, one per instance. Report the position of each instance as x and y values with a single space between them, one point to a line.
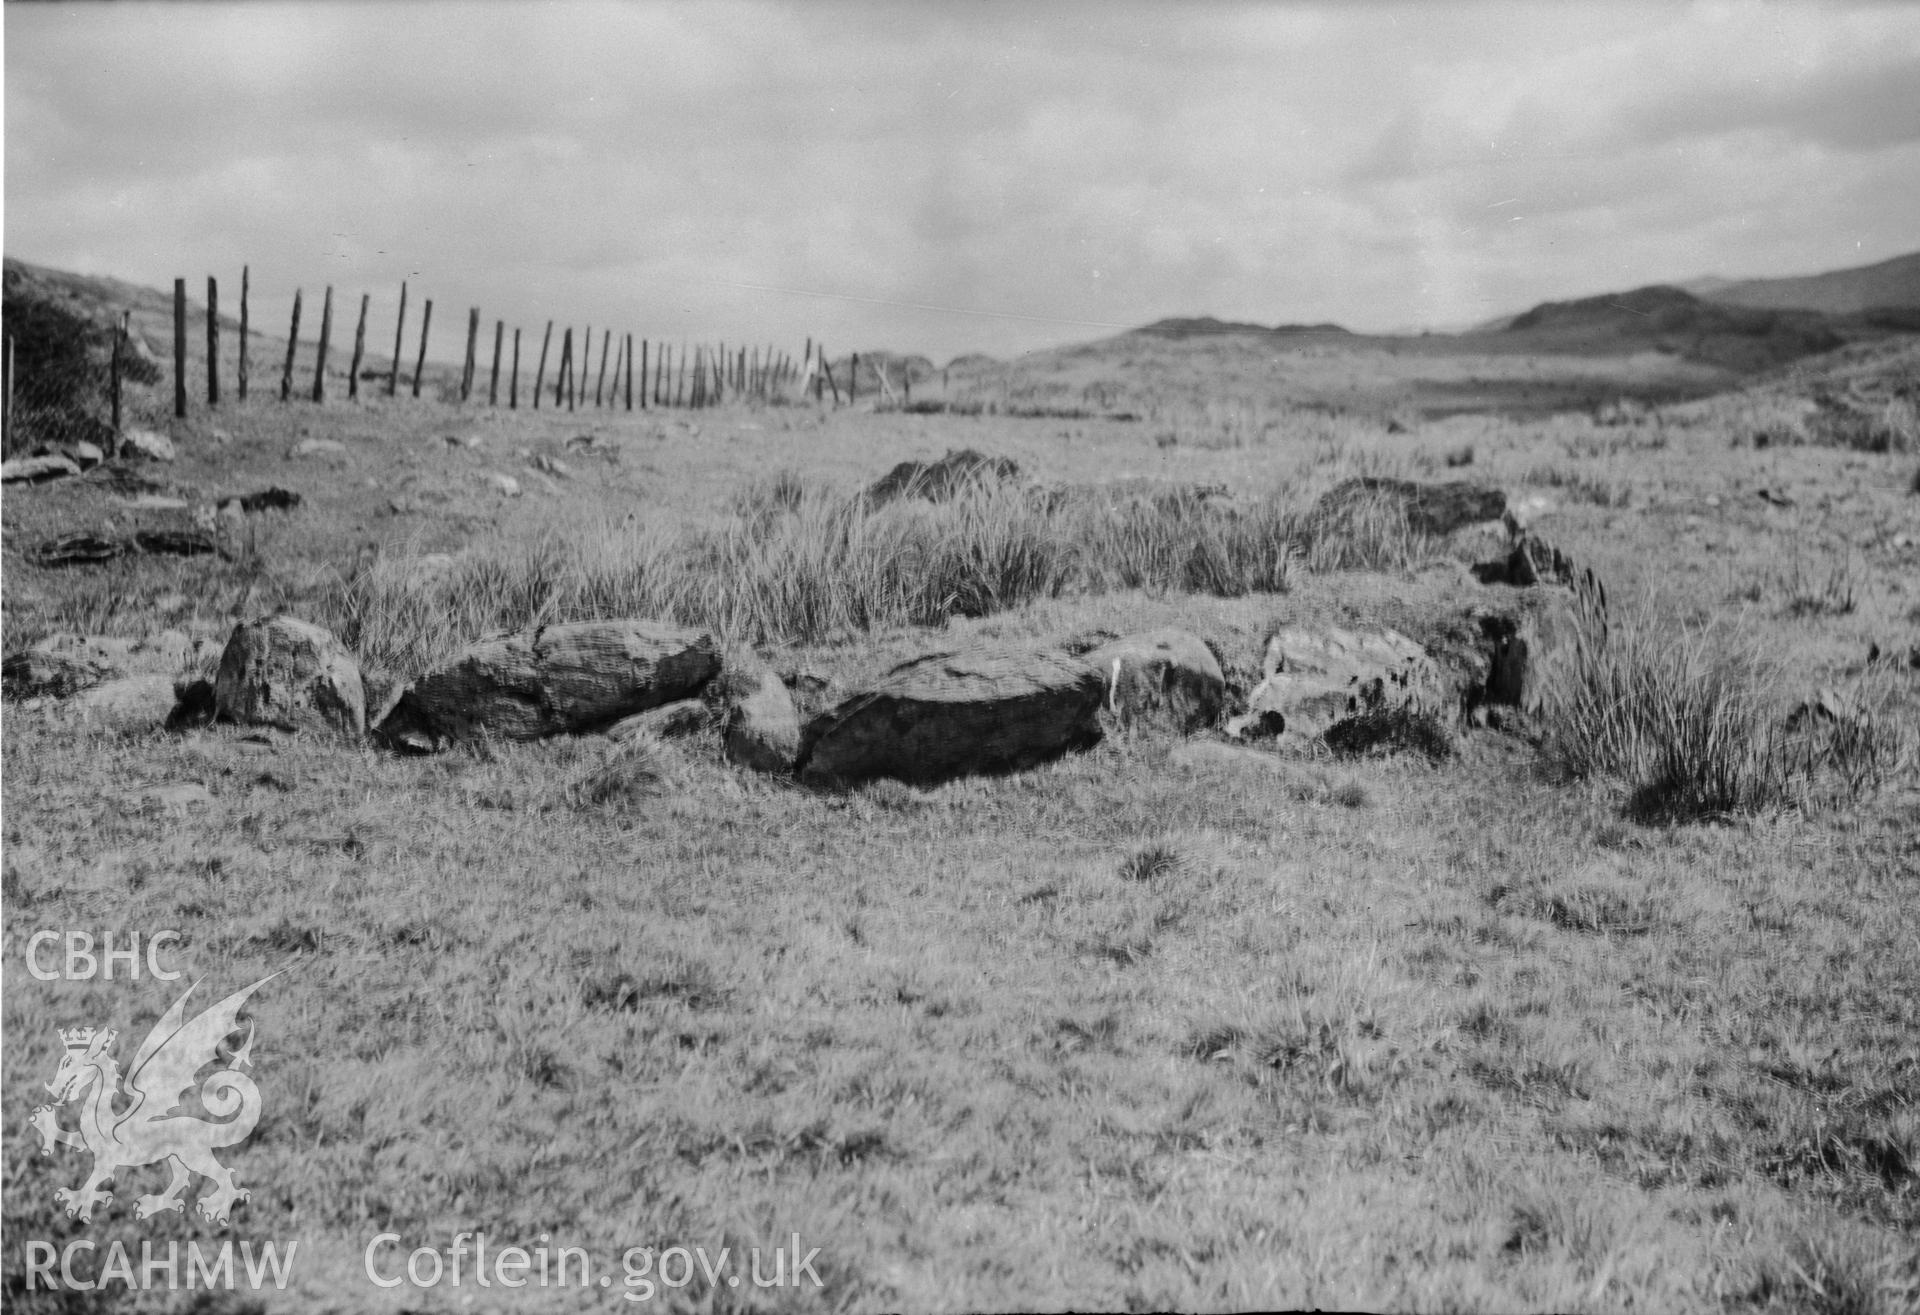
153 1126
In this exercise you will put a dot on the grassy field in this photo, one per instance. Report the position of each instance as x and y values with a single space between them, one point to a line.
1161 1025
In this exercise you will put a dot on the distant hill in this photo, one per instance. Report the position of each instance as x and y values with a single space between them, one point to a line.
1207 326
1669 319
1889 284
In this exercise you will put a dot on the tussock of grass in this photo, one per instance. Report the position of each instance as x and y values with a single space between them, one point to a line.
1368 532
800 564
1687 719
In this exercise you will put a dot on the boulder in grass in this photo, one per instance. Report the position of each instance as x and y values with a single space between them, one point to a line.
37 470
34 674
1536 646
666 722
1436 509
146 445
1316 677
939 481
292 675
762 725
1166 675
584 676
951 714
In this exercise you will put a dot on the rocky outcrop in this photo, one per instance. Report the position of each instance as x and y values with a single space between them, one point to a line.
938 481
567 678
762 727
1162 675
146 445
1436 509
1534 646
291 675
952 714
1317 677
36 470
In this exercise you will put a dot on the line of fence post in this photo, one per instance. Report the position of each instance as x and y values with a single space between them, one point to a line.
473 337
539 379
180 349
399 329
493 380
426 322
513 380
119 341
643 377
601 379
241 379
320 357
359 347
293 341
213 341
561 391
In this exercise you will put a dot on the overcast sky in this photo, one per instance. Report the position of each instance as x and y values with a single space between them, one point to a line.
958 177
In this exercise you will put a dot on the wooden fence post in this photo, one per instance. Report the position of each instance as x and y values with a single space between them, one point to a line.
853 378
539 378
566 358
213 341
643 378
180 349
359 348
473 337
680 386
426 322
244 271
605 339
513 380
320 359
293 340
493 382
6 398
399 329
119 337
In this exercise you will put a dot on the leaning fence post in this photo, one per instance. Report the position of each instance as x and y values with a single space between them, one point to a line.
605 338
320 358
180 349
513 380
493 381
539 378
473 337
399 328
566 360
359 348
242 373
426 322
293 339
213 341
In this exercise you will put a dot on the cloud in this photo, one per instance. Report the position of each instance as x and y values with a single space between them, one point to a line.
642 164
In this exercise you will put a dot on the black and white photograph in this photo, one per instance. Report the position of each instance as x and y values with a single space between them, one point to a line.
860 656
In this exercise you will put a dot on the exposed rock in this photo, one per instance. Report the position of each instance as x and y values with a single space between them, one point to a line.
506 485
268 499
940 480
36 470
1523 514
193 705
1315 678
1535 561
1436 509
86 455
1162 674
1532 647
146 445
32 674
290 674
950 714
80 548
668 721
132 703
762 725
318 447
177 543
578 677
